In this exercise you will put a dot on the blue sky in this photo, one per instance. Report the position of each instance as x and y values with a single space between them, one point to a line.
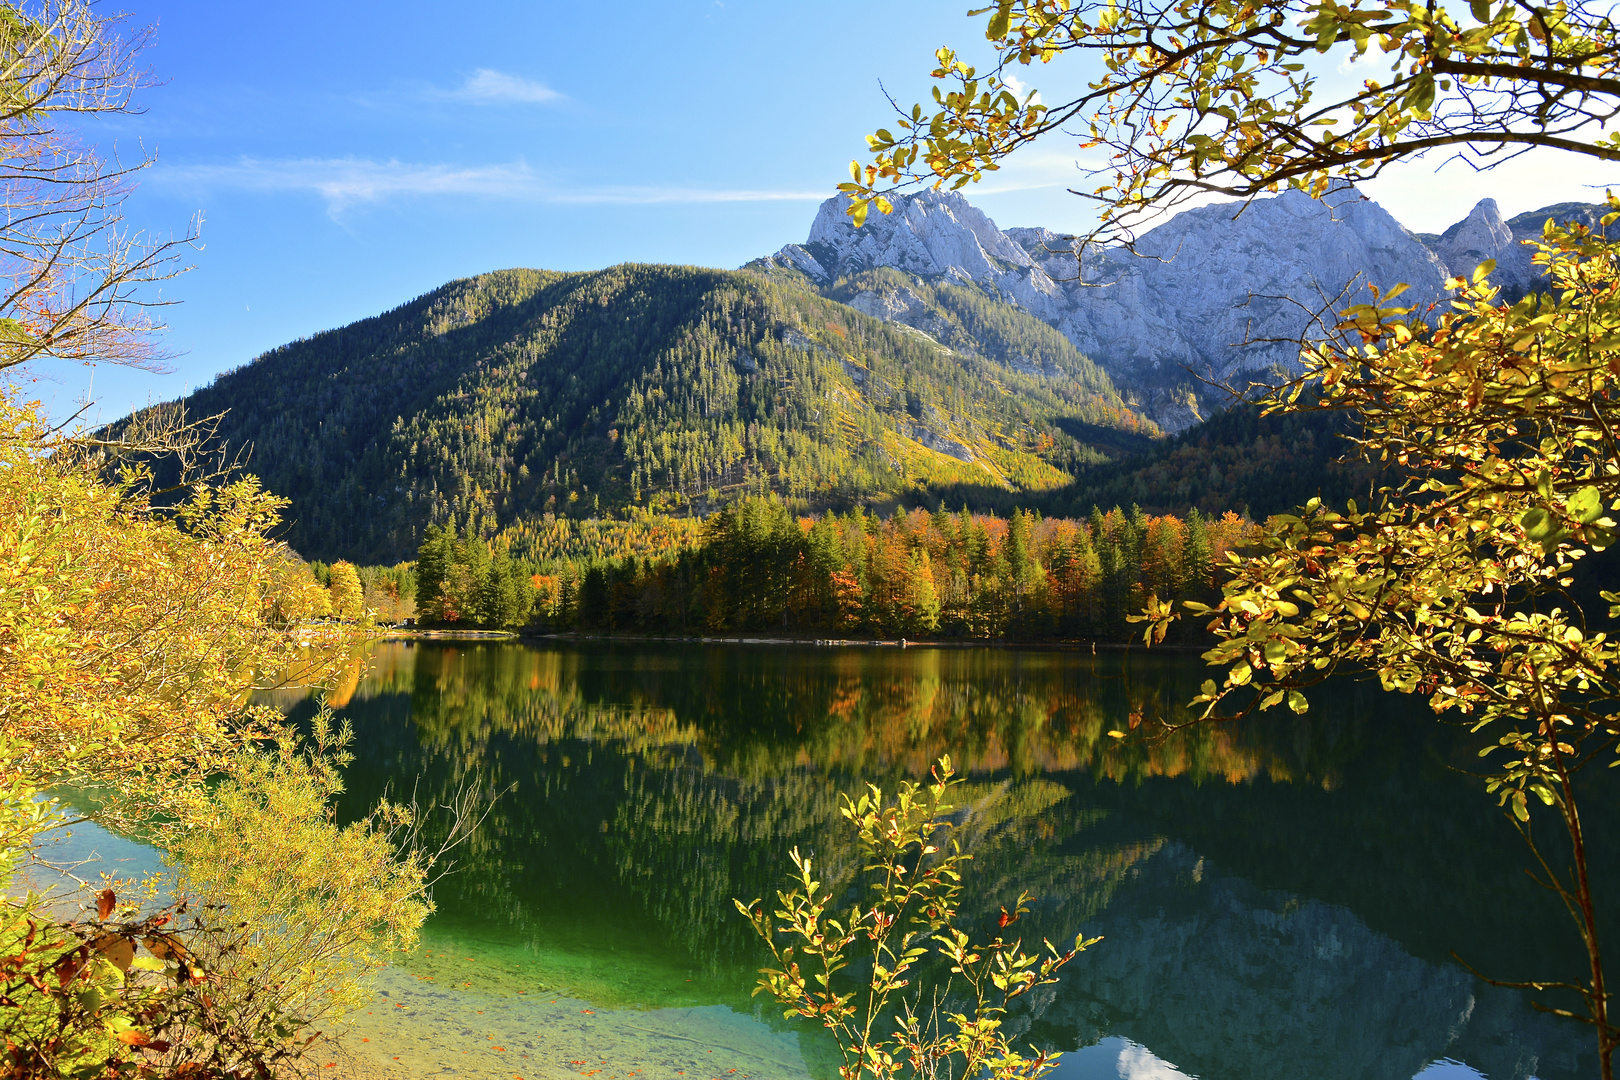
346 157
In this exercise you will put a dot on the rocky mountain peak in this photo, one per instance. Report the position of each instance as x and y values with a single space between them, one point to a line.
1217 293
1483 235
928 233
1483 227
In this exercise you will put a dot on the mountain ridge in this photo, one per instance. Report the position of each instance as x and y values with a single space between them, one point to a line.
519 394
1210 296
825 375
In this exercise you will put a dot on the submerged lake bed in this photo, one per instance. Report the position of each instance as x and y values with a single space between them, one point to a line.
1277 897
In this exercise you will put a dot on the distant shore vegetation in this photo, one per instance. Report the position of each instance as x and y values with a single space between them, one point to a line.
757 566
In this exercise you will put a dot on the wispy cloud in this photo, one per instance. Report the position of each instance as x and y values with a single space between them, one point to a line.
1037 170
1364 63
348 182
487 86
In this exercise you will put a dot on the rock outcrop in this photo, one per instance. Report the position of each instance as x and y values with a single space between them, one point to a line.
1216 294
1483 235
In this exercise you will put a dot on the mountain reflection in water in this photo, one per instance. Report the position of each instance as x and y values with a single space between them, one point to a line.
1278 898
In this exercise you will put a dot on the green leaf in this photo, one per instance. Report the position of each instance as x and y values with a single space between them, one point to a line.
1480 9
1538 525
1586 505
999 22
1483 270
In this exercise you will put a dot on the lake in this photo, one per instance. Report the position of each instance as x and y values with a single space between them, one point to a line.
1278 898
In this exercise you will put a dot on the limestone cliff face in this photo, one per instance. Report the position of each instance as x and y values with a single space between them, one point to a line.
1229 294
1483 234
928 233
1208 295
1217 293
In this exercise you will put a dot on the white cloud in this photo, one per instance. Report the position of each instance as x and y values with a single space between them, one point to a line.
486 86
344 182
1019 88
347 182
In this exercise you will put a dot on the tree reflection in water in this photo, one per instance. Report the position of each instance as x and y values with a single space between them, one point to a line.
1278 898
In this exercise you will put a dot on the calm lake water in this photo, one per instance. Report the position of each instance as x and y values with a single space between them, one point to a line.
1277 899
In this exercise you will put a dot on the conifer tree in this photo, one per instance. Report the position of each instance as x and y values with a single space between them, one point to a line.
924 598
1018 556
1086 572
473 576
593 598
1196 563
433 560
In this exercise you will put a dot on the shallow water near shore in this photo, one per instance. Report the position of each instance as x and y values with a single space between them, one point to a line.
1278 898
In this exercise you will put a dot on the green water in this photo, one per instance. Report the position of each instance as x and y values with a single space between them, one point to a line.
1278 899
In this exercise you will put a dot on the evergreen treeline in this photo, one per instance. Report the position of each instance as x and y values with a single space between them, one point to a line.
759 568
960 315
463 582
517 394
554 539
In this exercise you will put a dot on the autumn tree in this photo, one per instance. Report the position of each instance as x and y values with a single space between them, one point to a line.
923 598
347 597
71 272
135 623
1457 583
135 633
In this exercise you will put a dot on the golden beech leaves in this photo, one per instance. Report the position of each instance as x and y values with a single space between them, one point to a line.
1224 96
1457 583
130 635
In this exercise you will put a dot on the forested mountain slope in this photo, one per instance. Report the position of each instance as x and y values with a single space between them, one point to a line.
1238 460
521 393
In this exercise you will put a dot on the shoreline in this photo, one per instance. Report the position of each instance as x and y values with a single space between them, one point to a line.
400 634
1093 647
